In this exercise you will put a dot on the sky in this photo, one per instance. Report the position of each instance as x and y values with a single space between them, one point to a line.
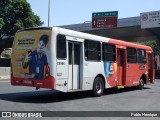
67 12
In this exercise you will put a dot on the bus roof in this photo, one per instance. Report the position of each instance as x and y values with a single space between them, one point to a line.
113 41
89 36
129 44
35 28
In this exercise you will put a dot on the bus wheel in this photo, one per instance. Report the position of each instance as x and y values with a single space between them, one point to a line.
141 84
98 87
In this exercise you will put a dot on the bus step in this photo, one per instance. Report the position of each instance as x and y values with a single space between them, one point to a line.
119 87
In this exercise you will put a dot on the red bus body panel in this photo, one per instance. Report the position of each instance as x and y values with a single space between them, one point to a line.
130 73
45 83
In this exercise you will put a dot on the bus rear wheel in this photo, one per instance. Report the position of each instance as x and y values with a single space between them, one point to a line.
98 87
141 83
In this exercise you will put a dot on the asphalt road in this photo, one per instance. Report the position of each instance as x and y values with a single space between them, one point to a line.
13 98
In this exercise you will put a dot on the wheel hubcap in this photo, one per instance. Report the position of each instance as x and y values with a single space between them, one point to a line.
98 87
141 82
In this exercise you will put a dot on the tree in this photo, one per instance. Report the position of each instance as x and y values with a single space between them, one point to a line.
15 15
1 23
152 44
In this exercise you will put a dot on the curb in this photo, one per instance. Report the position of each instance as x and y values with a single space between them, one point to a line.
4 78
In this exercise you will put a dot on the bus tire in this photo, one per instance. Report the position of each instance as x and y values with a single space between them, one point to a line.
98 87
141 83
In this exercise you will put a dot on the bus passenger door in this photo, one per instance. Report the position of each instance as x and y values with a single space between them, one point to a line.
150 68
121 66
74 65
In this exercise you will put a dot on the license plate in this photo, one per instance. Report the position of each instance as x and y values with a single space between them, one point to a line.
27 82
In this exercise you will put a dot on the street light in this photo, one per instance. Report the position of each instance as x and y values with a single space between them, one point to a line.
48 12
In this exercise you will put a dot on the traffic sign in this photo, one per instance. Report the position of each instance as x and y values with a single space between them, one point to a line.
150 19
104 19
104 22
105 14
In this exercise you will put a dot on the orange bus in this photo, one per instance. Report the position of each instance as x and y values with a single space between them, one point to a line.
68 61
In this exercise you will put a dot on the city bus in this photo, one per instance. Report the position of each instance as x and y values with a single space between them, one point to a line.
69 61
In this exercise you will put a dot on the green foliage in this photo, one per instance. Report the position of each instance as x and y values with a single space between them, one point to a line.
15 15
5 55
1 23
152 44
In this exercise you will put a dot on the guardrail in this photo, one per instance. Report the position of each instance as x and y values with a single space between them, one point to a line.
5 72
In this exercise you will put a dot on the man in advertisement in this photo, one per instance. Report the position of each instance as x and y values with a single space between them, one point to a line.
37 59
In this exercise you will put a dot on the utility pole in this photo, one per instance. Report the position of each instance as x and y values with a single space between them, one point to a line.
48 12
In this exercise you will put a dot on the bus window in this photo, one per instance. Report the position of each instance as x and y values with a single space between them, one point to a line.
70 53
109 52
77 54
61 47
92 50
141 56
131 55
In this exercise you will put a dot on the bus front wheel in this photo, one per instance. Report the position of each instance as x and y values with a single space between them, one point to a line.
141 84
98 87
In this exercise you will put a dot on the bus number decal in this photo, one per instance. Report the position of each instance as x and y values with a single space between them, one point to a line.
59 74
60 63
127 67
142 67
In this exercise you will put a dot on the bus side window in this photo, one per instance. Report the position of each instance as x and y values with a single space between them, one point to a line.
109 52
92 50
141 56
61 47
131 55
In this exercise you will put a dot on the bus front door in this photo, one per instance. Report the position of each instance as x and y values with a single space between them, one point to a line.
150 67
74 65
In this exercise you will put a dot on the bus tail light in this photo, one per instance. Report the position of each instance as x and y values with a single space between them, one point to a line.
47 72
